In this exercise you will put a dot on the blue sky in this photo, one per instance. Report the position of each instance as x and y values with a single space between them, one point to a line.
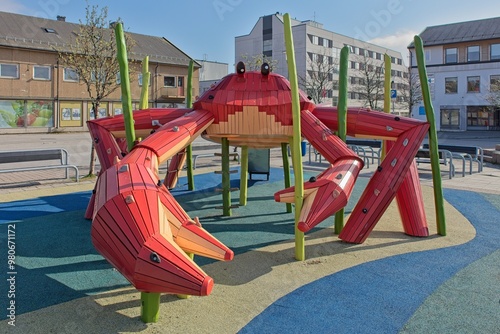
206 28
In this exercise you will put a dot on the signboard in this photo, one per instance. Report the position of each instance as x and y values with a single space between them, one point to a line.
394 93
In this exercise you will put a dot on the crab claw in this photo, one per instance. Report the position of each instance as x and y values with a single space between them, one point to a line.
133 224
189 234
324 194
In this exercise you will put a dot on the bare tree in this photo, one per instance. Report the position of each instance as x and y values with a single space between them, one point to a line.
369 82
318 81
92 55
493 95
409 91
254 63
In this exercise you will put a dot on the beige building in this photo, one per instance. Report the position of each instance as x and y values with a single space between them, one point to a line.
37 94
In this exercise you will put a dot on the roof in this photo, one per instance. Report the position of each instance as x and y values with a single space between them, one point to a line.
461 32
47 35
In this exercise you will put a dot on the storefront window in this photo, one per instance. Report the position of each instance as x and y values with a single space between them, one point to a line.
71 114
103 110
24 113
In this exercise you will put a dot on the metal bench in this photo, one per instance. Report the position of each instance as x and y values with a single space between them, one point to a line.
445 158
471 153
366 149
20 157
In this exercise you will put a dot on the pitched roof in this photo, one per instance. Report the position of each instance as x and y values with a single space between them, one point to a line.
48 35
461 32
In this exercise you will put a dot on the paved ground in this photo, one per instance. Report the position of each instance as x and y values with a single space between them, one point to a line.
392 283
79 144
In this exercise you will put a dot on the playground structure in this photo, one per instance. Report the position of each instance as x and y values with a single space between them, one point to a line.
146 235
133 208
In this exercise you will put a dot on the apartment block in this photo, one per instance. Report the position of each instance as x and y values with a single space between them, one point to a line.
317 53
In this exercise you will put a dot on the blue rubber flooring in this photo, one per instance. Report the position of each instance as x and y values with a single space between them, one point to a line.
56 261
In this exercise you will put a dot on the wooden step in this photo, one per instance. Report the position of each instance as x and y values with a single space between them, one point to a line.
491 156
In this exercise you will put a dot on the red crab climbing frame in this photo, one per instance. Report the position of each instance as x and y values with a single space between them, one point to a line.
140 228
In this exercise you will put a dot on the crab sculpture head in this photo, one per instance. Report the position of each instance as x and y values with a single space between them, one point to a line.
251 108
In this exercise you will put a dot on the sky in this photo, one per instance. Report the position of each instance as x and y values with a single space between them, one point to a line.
205 29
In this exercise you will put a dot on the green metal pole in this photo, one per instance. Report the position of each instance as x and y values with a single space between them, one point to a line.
342 116
226 181
387 97
296 147
189 148
144 102
150 307
433 141
286 171
150 301
244 176
125 86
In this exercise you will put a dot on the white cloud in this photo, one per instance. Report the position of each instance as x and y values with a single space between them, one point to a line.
398 42
12 6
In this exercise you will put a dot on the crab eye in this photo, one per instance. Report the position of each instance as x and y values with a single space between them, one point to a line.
240 67
264 69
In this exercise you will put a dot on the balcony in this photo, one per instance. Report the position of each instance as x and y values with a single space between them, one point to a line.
172 92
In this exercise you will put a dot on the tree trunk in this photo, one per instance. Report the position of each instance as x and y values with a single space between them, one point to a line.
95 107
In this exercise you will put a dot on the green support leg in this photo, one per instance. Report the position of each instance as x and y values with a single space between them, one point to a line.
150 307
342 116
189 104
286 171
189 166
433 140
300 252
226 181
244 176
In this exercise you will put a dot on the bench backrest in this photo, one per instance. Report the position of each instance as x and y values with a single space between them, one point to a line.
358 142
472 150
34 155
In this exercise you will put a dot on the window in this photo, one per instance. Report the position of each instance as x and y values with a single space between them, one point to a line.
139 80
495 52
119 79
495 83
267 45
479 116
473 84
169 81
451 85
50 30
41 72
9 71
378 55
370 54
70 75
451 56
400 61
473 53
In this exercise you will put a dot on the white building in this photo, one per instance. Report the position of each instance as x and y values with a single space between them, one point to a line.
315 45
463 66
210 73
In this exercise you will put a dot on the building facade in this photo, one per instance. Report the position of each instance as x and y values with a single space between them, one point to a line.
463 67
317 54
38 94
210 73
